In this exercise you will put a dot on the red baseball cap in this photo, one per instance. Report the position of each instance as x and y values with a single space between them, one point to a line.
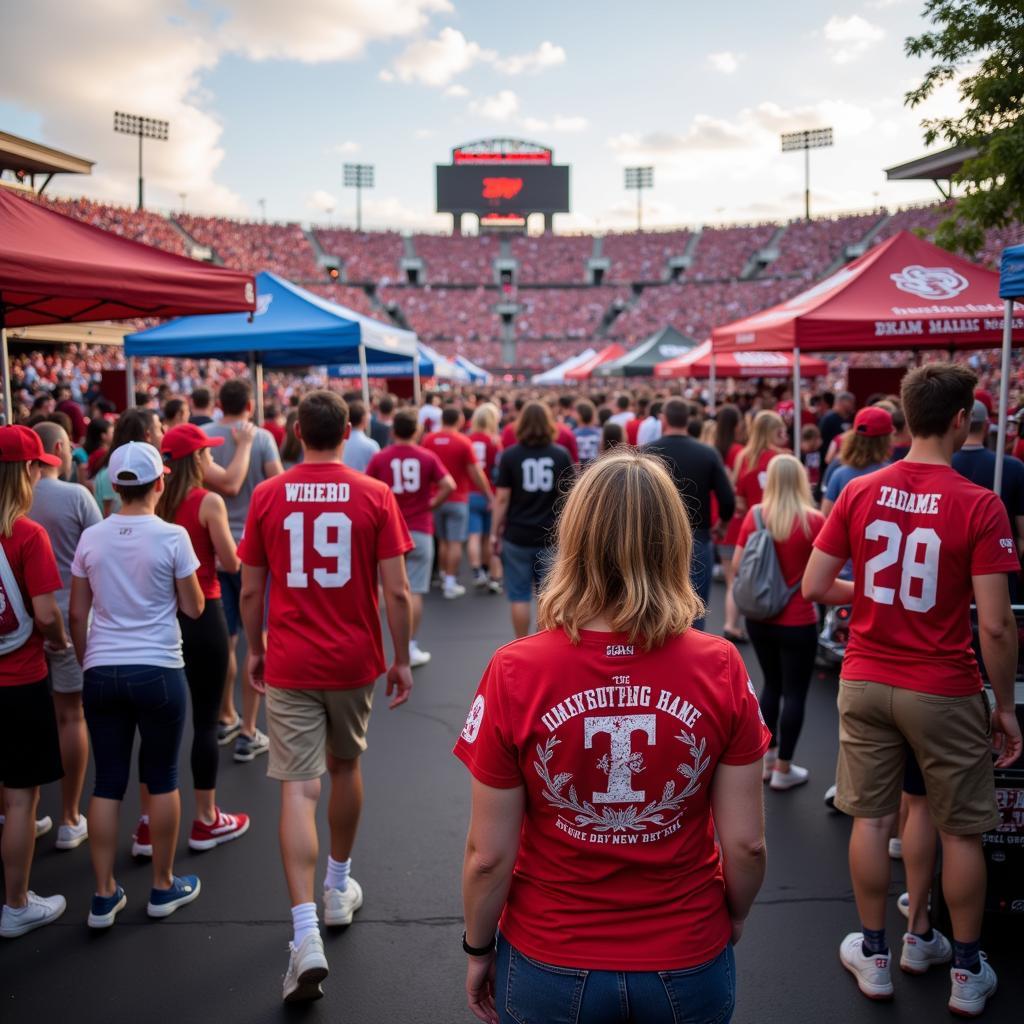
186 439
981 395
19 444
873 422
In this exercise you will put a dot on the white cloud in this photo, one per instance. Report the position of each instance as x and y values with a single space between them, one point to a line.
391 213
423 133
547 55
725 61
499 107
346 148
456 90
385 76
851 37
322 201
558 123
437 61
317 30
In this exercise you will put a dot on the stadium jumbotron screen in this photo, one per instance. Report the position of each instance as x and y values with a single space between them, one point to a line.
504 177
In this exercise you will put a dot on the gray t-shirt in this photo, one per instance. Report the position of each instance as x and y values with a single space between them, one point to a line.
264 450
359 449
64 511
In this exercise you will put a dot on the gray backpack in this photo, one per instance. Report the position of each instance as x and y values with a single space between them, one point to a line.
760 590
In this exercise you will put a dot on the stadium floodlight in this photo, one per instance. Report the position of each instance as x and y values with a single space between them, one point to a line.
359 176
639 178
143 128
814 138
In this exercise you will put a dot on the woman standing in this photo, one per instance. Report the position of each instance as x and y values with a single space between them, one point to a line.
486 441
785 645
767 439
204 516
141 425
30 622
729 433
133 572
615 722
531 475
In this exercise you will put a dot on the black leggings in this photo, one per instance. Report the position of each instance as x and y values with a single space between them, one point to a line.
205 647
786 655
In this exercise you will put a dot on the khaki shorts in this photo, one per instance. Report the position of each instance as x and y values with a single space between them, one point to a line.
950 736
65 672
306 725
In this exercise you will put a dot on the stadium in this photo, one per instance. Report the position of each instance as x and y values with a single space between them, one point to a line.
688 527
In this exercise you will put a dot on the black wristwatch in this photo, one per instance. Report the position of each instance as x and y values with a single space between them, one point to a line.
478 950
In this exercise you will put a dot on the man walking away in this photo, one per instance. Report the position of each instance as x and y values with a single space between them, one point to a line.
264 463
202 407
923 542
697 472
321 533
360 447
382 420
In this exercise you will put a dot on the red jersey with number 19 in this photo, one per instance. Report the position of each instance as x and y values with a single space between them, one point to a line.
916 534
321 529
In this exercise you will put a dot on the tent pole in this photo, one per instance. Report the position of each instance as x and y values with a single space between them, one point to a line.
416 377
129 382
5 369
797 402
1004 394
711 383
363 374
256 371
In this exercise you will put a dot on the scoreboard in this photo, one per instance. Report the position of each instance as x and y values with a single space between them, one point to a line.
504 178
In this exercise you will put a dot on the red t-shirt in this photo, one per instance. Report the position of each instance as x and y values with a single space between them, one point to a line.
456 453
320 529
916 534
617 748
793 555
32 562
486 450
749 485
565 437
276 431
411 472
187 515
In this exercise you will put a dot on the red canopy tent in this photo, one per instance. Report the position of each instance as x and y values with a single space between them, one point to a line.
903 294
606 355
57 270
697 363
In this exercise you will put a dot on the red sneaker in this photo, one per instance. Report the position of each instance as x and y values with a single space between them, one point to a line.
223 830
142 845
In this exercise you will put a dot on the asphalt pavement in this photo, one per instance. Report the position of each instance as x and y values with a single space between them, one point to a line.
222 958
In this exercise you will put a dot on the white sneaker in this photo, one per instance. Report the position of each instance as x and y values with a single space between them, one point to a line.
896 848
917 955
43 825
769 765
796 776
873 973
416 656
971 991
340 905
69 837
39 911
453 590
480 580
307 967
903 904
830 797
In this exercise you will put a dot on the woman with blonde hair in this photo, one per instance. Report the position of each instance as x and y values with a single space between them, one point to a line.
486 441
766 439
786 644
612 745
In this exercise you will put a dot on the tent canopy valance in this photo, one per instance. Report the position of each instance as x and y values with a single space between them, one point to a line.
430 364
698 363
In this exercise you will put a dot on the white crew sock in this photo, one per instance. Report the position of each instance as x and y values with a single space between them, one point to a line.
304 922
450 581
337 873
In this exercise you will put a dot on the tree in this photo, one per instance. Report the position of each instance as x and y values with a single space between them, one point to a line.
983 41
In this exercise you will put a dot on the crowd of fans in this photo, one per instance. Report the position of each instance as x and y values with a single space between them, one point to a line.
725 252
457 259
574 313
255 246
552 259
451 314
138 225
808 247
642 255
371 257
351 297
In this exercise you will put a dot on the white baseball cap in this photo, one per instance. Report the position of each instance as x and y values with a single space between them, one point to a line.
135 463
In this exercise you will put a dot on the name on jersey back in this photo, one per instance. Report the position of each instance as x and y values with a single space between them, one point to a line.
905 501
328 493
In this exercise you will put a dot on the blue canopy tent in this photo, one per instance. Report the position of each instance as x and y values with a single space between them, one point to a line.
429 363
290 327
1011 288
477 374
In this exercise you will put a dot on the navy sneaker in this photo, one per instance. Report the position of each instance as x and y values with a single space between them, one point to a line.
105 909
164 902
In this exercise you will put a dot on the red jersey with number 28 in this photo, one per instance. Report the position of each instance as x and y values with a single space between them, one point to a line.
916 534
321 529
617 748
412 473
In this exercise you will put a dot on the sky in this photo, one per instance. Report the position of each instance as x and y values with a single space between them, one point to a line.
268 99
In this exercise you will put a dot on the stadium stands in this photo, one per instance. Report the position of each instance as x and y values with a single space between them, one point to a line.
369 256
809 247
452 314
351 297
553 259
724 252
565 312
138 225
282 248
459 259
643 255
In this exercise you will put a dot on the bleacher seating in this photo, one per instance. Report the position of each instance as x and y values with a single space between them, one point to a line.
370 256
352 298
808 247
642 255
724 252
564 312
552 259
451 314
252 246
458 259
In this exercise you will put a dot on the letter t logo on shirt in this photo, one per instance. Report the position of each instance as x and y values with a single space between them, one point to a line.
622 761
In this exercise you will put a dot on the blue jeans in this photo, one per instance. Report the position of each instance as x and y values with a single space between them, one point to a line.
529 992
525 569
479 515
700 568
117 700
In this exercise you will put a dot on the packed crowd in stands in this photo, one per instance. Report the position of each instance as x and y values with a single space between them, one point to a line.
809 247
574 313
453 314
351 297
642 255
724 252
282 248
457 259
552 259
370 257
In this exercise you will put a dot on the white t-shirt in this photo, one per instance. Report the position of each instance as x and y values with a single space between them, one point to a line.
430 418
131 563
622 418
649 430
